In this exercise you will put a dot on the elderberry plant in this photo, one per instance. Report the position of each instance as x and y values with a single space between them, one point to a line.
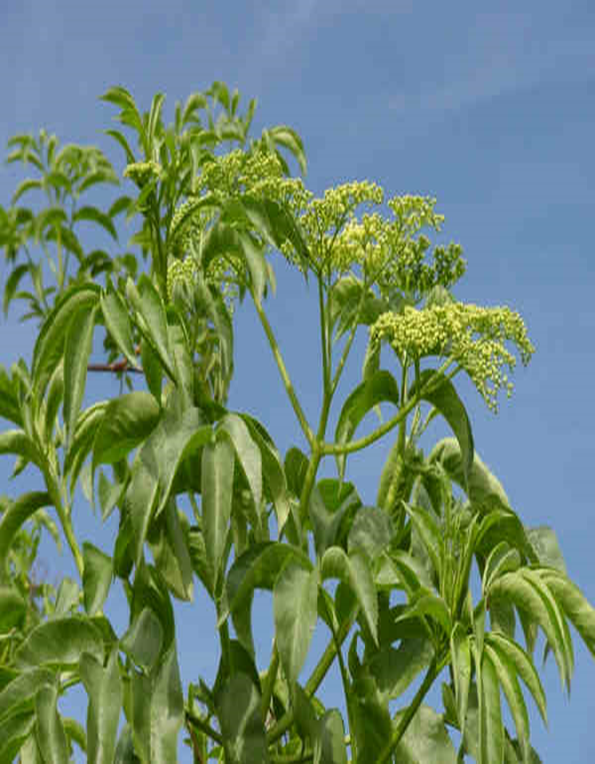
203 496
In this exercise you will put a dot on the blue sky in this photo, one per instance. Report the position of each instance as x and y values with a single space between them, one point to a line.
491 112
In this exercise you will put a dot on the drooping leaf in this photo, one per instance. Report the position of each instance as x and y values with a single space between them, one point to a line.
507 677
547 549
143 640
104 690
371 532
241 722
217 488
247 453
13 517
424 602
329 744
295 596
158 710
50 730
95 215
514 654
49 347
79 340
443 395
354 571
60 643
272 470
128 421
395 668
258 568
18 695
460 654
97 577
152 320
380 387
491 730
425 740
117 322
371 718
574 604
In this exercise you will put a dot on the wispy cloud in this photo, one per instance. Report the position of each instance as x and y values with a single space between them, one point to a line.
503 55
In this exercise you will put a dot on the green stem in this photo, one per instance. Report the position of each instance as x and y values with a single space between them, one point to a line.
317 676
309 480
204 727
361 443
431 674
284 375
324 340
269 682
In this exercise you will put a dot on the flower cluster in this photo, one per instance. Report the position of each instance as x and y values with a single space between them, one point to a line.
181 271
471 336
392 253
141 172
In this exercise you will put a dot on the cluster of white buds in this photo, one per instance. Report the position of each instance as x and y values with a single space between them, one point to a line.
473 337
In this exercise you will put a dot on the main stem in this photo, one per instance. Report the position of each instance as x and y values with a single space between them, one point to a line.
431 674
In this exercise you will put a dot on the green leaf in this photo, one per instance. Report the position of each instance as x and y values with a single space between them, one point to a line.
241 722
371 532
158 710
514 697
460 653
60 644
117 322
104 690
12 284
431 535
502 559
528 592
143 640
97 577
171 553
327 520
82 442
14 733
25 185
49 347
258 568
288 138
546 547
9 401
117 136
152 320
96 216
295 597
425 603
355 573
247 453
296 466
513 654
426 740
217 489
395 668
444 397
155 466
380 387
79 340
371 718
491 730
18 696
50 730
128 421
574 604
222 240
13 517
329 744
13 609
484 488
67 598
272 470
17 443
